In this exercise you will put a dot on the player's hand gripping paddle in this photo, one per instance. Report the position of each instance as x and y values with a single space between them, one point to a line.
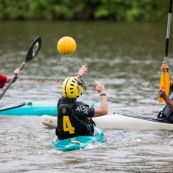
32 52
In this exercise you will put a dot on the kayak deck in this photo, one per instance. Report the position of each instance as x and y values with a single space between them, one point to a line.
37 108
128 122
118 121
5 105
79 142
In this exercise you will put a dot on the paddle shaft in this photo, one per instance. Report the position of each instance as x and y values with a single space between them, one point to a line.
168 32
32 52
165 77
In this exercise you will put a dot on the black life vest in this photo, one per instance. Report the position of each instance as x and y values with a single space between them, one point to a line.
68 124
166 114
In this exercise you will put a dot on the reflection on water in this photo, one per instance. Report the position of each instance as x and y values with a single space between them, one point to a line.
126 58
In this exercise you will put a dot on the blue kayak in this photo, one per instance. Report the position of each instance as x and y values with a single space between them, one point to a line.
78 142
29 108
21 108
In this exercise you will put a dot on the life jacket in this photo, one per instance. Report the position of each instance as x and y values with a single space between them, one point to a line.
68 125
166 114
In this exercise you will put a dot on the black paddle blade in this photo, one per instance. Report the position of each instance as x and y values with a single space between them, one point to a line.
32 52
34 49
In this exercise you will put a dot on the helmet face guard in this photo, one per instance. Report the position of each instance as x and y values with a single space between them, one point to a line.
82 84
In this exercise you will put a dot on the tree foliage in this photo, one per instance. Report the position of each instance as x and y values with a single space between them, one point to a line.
116 10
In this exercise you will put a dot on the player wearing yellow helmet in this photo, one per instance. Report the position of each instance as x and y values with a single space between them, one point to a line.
75 118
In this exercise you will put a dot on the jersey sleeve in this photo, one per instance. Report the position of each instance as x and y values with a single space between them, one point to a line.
84 111
3 80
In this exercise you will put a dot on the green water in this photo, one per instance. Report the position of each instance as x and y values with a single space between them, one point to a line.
126 58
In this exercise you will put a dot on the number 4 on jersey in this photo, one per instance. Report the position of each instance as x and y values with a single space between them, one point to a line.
67 125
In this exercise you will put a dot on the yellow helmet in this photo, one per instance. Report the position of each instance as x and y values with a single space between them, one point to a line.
73 87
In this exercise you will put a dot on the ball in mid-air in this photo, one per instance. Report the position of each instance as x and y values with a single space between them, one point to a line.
66 45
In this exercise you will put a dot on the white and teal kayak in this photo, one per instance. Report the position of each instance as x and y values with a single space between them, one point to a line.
22 108
120 122
29 108
79 142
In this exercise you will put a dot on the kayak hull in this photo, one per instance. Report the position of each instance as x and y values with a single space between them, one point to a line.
79 142
117 121
29 108
37 108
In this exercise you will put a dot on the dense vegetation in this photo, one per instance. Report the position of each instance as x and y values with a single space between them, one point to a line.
116 10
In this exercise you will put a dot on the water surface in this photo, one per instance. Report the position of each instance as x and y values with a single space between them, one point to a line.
126 58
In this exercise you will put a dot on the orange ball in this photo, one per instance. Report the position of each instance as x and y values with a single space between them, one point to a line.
66 46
